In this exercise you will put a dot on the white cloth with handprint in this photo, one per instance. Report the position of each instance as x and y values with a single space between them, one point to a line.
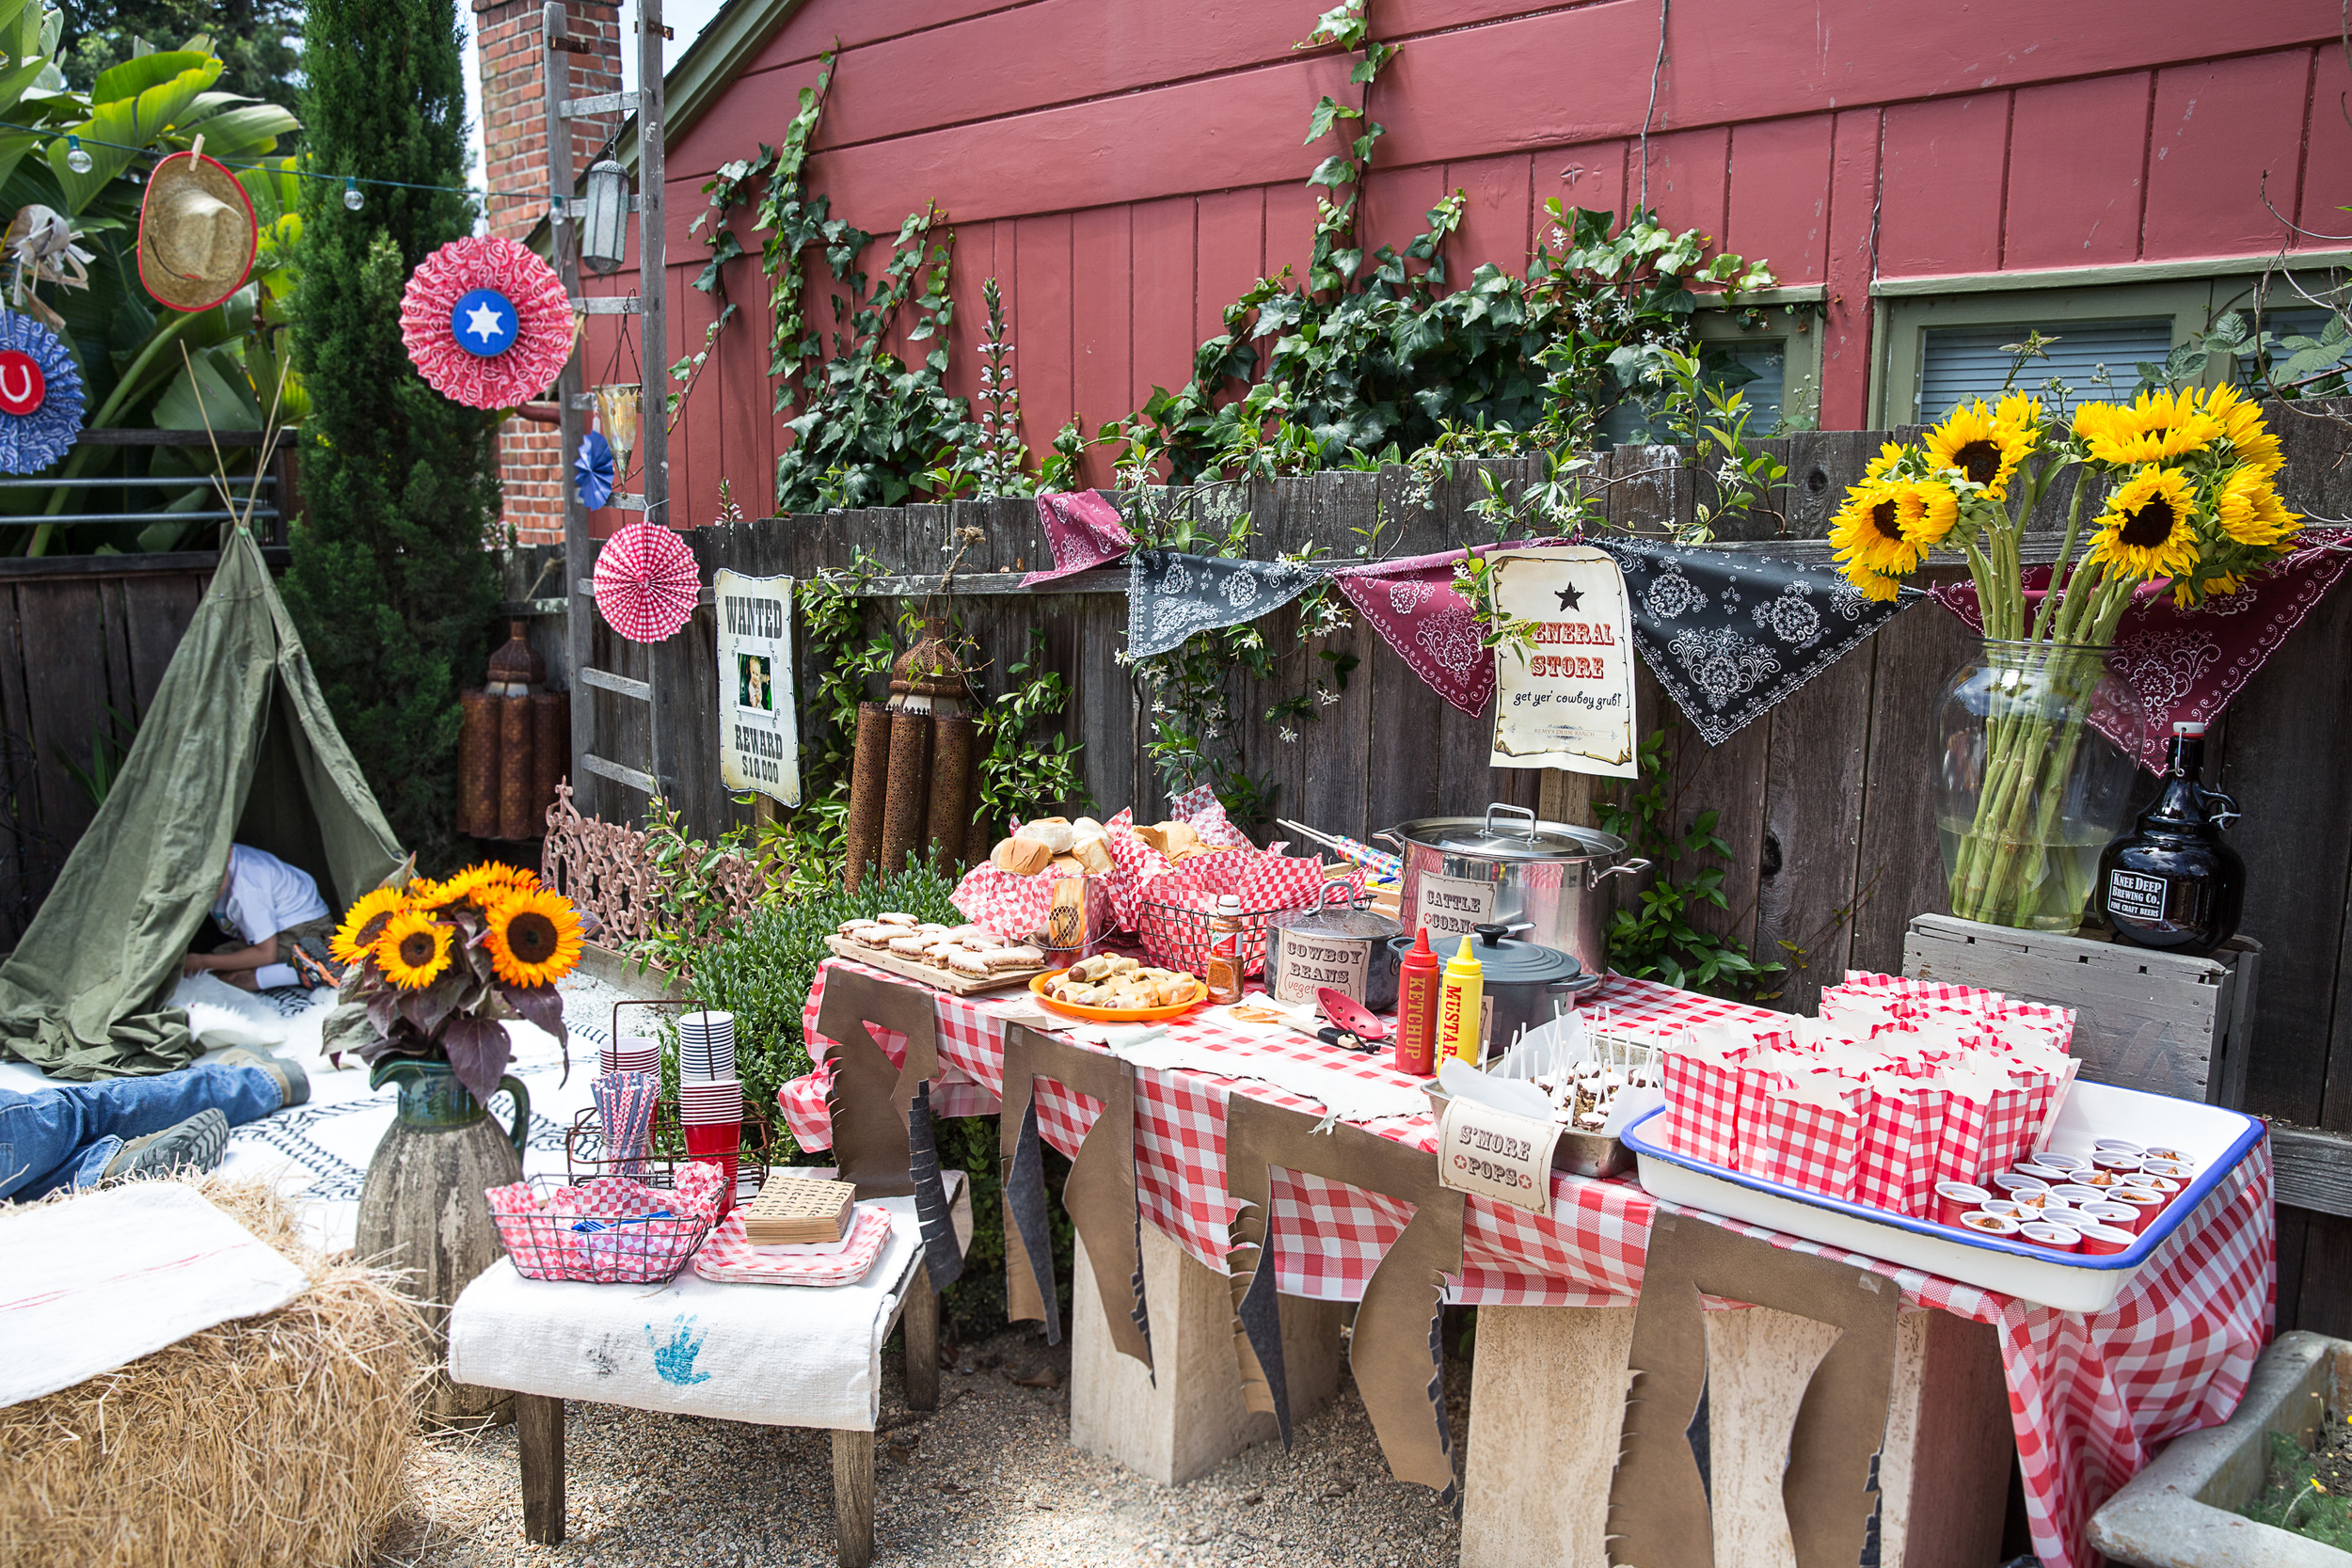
774 1355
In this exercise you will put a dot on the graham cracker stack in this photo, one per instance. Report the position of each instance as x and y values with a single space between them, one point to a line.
793 1208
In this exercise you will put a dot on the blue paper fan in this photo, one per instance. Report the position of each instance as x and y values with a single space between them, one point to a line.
592 470
41 396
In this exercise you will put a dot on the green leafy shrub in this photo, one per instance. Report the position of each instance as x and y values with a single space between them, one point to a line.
1655 938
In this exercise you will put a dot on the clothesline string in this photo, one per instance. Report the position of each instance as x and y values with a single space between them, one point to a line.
234 164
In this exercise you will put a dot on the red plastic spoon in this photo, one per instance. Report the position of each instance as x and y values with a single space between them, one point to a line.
1350 1014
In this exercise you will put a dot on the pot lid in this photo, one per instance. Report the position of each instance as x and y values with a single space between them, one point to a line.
1503 960
1337 920
1510 834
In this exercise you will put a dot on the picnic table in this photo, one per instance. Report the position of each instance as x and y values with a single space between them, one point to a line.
2090 1397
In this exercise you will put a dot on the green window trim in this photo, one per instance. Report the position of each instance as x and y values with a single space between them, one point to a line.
1902 317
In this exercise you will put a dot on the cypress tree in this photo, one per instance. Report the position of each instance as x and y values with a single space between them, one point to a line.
393 584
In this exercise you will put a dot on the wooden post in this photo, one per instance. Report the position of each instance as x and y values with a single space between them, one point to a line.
853 1498
921 1322
580 551
539 1437
653 281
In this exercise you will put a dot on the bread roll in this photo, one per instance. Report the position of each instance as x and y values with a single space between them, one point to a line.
912 947
1177 838
897 917
1051 832
1066 861
1086 827
966 962
1021 856
1094 854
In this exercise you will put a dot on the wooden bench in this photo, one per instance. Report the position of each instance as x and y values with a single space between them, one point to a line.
771 1355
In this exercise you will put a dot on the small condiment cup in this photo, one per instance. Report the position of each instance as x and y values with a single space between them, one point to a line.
2013 1183
2116 1146
2103 1179
2122 1216
1955 1198
2120 1163
2178 1155
2060 1162
2105 1240
2006 1207
2146 1204
2073 1192
2163 1185
2035 1199
2058 1238
2041 1172
1990 1224
2172 1169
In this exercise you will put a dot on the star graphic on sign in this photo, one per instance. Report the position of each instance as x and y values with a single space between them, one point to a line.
1570 597
484 323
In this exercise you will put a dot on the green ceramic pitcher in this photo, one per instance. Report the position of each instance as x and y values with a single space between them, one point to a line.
432 1098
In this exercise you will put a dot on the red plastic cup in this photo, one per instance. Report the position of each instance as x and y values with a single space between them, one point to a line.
2011 1183
2118 1163
2006 1208
2058 1238
1989 1225
720 1144
2147 1205
2055 1212
2163 1186
2074 1194
1955 1198
2105 1240
2175 1155
2103 1179
2041 1172
2175 1170
2116 1146
2060 1162
2121 1215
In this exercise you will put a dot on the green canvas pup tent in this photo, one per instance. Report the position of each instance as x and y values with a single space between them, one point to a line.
237 747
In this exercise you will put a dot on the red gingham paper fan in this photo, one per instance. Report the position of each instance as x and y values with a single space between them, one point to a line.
647 582
539 333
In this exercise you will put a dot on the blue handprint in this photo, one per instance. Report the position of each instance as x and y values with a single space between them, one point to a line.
675 1361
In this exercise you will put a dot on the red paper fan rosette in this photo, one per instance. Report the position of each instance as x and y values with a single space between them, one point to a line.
647 582
542 329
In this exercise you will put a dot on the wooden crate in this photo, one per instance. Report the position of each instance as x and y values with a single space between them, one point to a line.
2166 1022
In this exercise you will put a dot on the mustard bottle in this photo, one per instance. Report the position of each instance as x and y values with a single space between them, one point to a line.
1462 1006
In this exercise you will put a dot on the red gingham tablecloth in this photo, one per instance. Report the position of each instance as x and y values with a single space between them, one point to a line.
2091 1397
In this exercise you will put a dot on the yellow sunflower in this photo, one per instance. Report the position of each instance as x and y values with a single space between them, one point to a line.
1870 584
363 923
2249 511
2149 529
414 950
1983 446
2188 594
2022 412
533 938
2248 437
1883 464
2151 428
1927 509
1869 529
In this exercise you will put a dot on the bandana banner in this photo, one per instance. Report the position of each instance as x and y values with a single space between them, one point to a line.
1172 596
1730 636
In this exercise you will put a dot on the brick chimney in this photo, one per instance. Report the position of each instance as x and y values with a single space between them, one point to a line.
515 140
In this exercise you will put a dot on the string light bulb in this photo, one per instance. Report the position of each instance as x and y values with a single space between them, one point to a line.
77 157
352 197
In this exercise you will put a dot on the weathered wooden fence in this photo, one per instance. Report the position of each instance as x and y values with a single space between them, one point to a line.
1825 802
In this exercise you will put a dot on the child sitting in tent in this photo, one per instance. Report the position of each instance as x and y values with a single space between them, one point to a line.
277 909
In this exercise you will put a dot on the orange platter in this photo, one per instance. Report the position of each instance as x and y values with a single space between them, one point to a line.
1116 1015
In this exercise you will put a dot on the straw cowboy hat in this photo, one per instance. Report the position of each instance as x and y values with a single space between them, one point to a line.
197 233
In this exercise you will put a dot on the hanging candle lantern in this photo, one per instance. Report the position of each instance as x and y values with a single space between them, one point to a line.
604 229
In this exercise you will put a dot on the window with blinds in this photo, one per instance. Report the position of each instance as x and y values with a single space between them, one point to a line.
1765 359
1960 363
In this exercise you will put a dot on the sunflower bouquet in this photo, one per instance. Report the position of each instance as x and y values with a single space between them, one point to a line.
2182 490
434 969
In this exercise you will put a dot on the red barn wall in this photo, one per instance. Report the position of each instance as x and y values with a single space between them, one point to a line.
1126 167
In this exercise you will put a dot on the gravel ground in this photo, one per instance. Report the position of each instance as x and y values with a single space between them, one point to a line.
990 1477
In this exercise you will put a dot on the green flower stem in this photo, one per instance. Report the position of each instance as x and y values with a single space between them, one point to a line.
2066 554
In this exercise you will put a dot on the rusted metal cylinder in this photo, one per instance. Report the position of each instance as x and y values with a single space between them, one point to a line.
550 753
514 818
478 765
954 736
906 806
870 780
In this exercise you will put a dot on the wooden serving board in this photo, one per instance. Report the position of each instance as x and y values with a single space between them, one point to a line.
939 979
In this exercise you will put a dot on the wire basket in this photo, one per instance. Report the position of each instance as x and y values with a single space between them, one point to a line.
586 1156
1176 936
581 1240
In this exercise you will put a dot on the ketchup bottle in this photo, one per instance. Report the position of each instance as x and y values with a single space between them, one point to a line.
1416 1008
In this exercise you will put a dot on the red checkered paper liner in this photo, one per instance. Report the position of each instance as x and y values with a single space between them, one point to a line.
1703 1110
1900 1148
1015 906
1262 882
1934 996
1811 1134
540 1238
1200 807
729 1259
2091 1397
1984 1134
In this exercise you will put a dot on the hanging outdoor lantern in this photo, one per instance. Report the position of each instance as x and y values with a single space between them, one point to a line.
604 232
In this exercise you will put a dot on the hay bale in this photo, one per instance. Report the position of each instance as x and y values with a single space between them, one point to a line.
275 1439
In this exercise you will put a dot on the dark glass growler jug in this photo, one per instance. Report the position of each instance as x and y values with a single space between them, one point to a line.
2170 882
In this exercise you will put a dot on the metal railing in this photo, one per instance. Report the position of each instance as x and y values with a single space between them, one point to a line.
272 488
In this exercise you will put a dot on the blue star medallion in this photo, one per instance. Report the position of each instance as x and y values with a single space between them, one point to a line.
484 323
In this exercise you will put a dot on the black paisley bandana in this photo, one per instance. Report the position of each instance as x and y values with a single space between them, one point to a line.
1730 635
1171 596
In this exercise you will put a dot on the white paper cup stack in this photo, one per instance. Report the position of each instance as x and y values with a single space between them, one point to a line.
706 1048
630 1053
